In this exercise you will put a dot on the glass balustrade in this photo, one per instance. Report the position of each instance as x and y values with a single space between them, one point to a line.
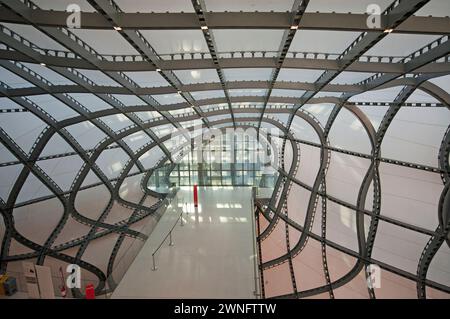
202 174
227 160
156 230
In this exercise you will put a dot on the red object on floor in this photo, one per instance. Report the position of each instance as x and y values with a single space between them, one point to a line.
195 196
90 291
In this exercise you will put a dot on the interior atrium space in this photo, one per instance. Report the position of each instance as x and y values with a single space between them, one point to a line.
224 149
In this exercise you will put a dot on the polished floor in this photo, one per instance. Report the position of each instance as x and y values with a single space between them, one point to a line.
213 255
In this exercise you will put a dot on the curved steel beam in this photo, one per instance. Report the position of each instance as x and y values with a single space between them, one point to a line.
200 64
228 20
200 10
427 87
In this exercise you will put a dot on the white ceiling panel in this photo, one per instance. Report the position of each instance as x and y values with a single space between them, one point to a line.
249 5
440 265
111 162
56 145
32 188
62 170
24 128
288 93
129 100
345 175
98 77
398 246
165 99
62 5
6 155
163 130
345 6
205 108
435 8
299 75
12 80
320 111
421 97
90 101
248 74
9 175
6 103
201 95
384 95
322 41
191 124
136 140
303 129
176 41
328 94
247 92
219 117
197 76
147 78
32 34
247 104
414 204
351 77
443 82
54 107
107 42
375 114
86 134
117 122
181 111
243 115
415 135
348 133
248 40
50 75
155 5
146 116
400 44
151 157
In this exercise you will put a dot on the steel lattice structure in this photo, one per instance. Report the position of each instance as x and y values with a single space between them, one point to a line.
300 230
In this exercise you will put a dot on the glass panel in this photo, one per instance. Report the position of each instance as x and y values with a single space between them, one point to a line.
230 159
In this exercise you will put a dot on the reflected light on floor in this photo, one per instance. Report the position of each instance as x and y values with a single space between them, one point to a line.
228 205
224 219
198 219
189 208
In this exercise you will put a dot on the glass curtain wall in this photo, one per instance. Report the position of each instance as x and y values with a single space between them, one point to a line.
228 160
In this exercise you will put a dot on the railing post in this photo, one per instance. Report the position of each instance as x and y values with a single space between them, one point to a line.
171 242
154 265
181 217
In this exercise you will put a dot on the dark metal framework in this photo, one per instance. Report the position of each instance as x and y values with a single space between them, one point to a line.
411 72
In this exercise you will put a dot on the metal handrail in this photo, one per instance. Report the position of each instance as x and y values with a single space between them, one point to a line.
257 277
169 234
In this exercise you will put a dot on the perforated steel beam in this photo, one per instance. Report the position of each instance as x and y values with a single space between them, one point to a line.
229 20
109 9
297 12
224 63
396 13
427 87
91 57
200 10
